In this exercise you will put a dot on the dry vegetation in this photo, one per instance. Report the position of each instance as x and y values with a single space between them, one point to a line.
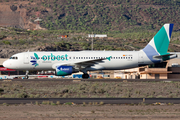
89 112
67 89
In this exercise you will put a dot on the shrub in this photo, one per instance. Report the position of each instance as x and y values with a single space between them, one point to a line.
22 95
53 103
22 42
58 103
1 90
65 95
68 103
6 42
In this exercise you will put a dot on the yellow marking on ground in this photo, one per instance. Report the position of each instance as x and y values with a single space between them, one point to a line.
76 80
7 80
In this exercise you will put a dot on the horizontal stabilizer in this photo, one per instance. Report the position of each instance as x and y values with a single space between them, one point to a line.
165 56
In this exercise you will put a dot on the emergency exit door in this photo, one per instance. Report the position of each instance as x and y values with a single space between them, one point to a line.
140 58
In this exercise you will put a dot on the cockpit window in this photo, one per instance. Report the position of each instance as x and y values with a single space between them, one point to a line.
13 58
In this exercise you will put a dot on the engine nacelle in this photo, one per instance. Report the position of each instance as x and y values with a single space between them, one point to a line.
64 70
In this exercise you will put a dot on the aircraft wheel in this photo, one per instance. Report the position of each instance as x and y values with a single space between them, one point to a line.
26 77
85 76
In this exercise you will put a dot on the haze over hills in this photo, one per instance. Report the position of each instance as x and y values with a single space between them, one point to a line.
132 23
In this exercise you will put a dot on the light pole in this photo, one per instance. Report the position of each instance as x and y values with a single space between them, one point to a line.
92 42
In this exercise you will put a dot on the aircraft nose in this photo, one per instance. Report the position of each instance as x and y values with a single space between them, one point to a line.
5 64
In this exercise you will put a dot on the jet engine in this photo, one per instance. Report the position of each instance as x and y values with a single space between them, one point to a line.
64 70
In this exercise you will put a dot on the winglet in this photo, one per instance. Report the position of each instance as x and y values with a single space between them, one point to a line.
109 58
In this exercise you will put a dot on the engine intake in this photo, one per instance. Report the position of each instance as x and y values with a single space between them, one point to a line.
64 70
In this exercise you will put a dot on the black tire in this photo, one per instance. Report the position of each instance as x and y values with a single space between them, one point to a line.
85 76
26 77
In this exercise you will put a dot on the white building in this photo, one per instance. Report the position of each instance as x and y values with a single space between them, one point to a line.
97 35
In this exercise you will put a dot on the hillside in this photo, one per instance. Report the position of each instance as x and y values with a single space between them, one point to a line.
13 40
108 15
130 24
100 16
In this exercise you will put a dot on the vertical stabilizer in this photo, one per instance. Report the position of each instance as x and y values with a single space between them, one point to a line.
160 42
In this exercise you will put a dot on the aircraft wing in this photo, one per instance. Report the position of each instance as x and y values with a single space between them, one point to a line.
82 64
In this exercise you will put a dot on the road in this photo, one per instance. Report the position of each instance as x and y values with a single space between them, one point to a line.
92 100
98 80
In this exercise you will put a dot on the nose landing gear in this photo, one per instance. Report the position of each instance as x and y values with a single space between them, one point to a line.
26 76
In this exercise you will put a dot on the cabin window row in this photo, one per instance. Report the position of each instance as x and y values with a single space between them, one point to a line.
83 58
100 57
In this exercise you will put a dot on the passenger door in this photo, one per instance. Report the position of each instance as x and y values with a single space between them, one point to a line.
26 58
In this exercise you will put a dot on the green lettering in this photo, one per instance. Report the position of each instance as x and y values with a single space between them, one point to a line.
58 58
62 57
66 56
53 58
44 58
49 57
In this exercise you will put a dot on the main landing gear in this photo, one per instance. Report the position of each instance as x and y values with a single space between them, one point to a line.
85 76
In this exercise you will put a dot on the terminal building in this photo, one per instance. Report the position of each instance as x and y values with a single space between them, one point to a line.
169 69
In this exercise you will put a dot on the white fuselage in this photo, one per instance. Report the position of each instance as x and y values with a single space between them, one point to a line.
46 60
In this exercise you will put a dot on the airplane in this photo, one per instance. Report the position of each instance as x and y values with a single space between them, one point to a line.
68 62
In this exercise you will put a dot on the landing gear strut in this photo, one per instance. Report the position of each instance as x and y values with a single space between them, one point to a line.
26 76
85 76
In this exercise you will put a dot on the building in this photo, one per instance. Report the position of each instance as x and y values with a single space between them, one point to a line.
97 35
